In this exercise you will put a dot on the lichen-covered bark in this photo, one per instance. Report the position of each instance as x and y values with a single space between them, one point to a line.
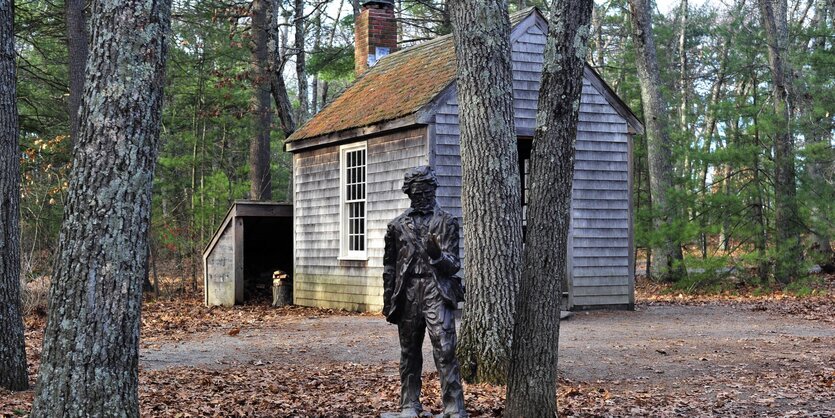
13 373
260 178
89 363
532 380
786 218
668 262
77 55
491 187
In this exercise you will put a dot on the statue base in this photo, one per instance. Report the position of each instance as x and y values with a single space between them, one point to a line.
423 414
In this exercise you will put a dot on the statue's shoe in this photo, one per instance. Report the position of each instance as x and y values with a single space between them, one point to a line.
407 413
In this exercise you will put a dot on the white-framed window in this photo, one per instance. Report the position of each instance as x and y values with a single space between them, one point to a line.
353 227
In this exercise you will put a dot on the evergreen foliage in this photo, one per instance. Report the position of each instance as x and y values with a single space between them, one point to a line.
723 154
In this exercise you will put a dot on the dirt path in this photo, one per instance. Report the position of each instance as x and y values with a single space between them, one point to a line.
716 354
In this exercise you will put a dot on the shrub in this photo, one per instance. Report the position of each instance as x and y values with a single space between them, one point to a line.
34 295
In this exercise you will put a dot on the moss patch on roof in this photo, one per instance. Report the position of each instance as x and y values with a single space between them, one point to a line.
399 85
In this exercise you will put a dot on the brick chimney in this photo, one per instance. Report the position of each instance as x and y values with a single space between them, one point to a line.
375 34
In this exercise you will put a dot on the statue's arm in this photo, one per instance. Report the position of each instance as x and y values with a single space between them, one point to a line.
389 266
448 263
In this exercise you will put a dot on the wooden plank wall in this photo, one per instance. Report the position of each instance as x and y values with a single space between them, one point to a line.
220 270
320 279
600 199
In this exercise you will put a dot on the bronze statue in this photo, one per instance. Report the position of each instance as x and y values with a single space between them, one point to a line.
421 292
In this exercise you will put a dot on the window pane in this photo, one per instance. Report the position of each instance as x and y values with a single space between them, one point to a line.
354 179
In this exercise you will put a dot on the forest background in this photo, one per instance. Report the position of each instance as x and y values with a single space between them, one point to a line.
714 72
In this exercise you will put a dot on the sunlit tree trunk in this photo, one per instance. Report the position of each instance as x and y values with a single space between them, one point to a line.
789 252
532 380
668 262
89 364
491 190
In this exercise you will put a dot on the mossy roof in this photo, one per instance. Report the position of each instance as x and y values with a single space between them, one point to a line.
399 85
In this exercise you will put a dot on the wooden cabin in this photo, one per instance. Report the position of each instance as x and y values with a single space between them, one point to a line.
401 112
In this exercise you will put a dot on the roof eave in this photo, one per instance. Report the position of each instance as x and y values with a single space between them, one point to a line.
354 134
614 100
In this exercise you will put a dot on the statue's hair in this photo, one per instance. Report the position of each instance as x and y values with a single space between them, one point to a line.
419 174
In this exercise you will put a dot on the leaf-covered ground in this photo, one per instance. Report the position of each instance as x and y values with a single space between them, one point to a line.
733 354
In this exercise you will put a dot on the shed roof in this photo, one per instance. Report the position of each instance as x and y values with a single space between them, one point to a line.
401 84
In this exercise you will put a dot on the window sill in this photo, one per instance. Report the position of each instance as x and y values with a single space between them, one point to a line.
357 257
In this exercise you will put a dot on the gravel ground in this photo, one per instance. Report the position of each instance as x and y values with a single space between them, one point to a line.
679 348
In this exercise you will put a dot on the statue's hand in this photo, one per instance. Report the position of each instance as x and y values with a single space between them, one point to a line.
433 249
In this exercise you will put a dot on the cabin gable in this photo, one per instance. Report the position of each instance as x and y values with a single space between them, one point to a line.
600 243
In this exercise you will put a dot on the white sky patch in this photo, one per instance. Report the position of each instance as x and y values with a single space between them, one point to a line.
666 6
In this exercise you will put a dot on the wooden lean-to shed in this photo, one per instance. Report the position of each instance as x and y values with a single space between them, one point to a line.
401 112
254 241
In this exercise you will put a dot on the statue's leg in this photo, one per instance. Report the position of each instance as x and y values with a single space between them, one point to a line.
440 323
412 330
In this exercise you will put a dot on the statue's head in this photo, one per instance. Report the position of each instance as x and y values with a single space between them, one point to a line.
420 184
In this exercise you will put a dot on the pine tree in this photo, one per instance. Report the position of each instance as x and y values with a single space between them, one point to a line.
13 373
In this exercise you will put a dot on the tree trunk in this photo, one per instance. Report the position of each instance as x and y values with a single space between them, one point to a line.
259 149
314 86
77 54
820 169
491 190
13 373
532 380
324 94
682 62
761 237
90 348
277 87
282 103
710 121
789 252
301 71
669 262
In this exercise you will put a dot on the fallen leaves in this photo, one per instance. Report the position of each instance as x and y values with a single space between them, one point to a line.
797 380
177 319
820 306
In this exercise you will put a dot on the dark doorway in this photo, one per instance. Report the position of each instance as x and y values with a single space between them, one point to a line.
254 241
524 144
268 247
